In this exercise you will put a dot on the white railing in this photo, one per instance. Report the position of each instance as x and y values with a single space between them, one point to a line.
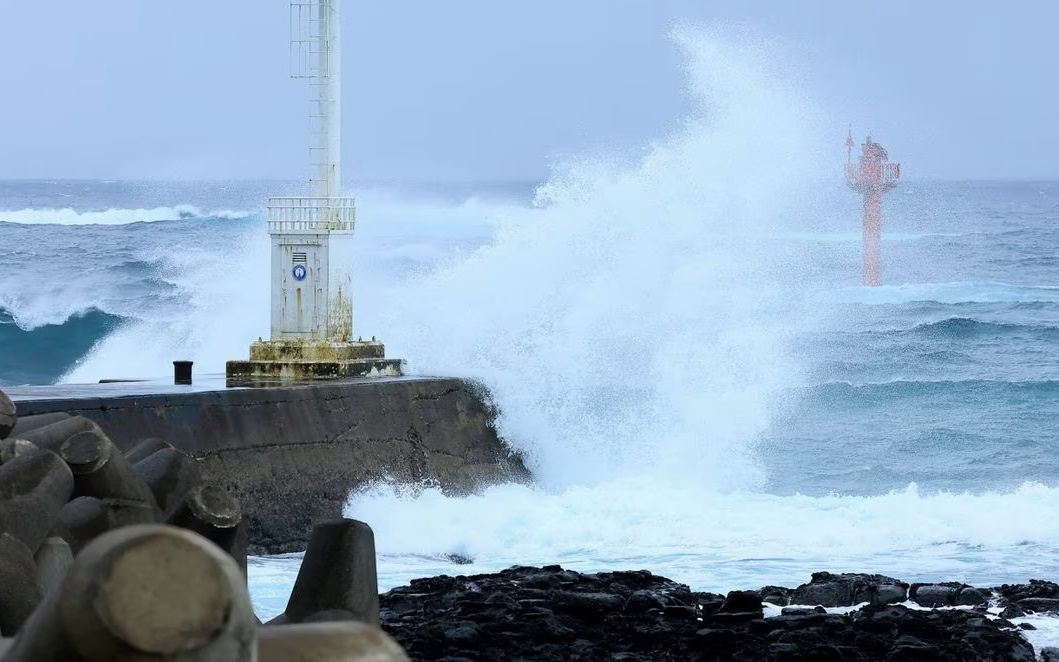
310 215
890 174
882 176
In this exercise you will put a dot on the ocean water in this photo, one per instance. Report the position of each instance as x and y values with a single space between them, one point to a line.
676 340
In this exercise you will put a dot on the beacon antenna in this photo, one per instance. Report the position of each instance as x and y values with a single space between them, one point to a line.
873 176
312 306
315 55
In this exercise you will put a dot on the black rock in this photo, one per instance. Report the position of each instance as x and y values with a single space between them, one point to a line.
741 601
846 590
1040 605
459 559
643 601
936 595
802 611
526 613
1037 588
971 596
776 595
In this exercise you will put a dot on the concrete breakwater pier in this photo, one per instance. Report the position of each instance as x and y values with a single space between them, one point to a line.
292 454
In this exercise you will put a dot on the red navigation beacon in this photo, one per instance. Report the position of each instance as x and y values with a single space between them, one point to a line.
872 177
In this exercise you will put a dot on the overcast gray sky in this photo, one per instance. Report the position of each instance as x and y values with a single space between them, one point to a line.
491 89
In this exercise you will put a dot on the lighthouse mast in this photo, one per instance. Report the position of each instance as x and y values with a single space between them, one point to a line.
872 177
312 301
325 87
312 308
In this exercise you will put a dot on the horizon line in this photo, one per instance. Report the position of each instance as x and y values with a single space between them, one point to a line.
487 181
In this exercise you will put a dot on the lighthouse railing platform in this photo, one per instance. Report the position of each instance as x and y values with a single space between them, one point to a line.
879 175
310 215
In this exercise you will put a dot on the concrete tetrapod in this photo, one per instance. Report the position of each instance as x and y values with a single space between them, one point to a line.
52 436
27 423
8 415
169 474
145 448
214 514
145 592
34 487
85 518
12 447
54 558
337 579
346 641
20 592
100 470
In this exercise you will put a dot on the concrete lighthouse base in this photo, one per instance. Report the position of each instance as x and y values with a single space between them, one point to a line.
273 361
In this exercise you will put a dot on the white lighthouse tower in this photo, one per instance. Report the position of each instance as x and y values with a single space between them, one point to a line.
312 309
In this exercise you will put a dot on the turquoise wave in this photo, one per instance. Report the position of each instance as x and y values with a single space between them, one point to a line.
41 355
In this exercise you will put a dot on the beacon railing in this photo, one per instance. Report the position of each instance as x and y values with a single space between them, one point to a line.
313 215
882 175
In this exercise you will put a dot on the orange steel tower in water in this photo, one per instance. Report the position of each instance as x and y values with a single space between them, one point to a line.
873 176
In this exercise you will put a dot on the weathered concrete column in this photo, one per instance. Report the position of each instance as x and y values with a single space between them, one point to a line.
34 487
149 592
346 641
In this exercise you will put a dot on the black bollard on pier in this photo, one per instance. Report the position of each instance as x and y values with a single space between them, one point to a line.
182 372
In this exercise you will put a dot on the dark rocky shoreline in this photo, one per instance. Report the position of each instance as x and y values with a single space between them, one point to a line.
548 613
